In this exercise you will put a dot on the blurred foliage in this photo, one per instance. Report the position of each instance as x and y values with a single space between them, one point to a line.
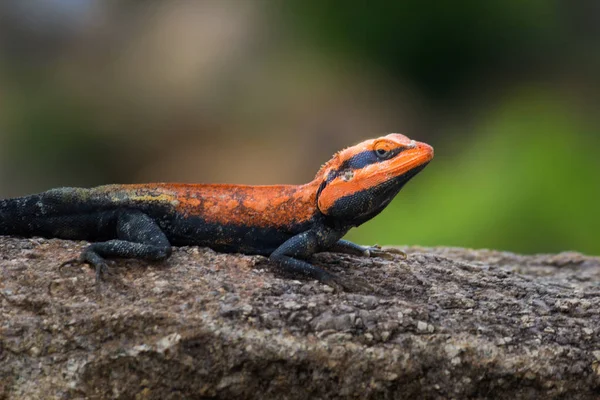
520 185
263 92
441 45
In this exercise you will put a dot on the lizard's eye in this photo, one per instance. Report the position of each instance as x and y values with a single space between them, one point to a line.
383 154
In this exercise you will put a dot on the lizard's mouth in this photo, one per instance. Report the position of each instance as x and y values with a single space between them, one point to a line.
412 161
389 189
381 195
405 177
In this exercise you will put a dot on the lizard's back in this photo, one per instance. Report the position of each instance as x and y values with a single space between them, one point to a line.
265 206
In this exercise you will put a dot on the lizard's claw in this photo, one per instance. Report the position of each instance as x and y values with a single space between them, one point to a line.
388 254
68 263
102 269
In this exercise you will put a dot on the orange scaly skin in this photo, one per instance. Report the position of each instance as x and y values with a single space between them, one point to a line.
288 223
264 206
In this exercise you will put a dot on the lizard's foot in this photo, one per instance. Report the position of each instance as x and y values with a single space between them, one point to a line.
101 268
388 254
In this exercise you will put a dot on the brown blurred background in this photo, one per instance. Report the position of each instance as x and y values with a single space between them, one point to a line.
263 92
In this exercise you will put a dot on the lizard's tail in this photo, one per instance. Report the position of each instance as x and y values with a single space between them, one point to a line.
15 214
35 215
54 213
3 222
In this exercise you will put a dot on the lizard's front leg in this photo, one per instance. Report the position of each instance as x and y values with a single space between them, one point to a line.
288 257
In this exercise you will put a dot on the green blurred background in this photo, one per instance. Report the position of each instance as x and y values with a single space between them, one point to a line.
258 92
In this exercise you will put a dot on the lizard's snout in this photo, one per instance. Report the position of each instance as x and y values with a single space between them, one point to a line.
425 149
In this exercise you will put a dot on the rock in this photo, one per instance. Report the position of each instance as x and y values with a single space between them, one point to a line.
445 323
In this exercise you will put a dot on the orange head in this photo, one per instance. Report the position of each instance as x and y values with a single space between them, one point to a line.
358 182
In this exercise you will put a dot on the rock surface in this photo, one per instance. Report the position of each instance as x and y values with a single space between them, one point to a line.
445 323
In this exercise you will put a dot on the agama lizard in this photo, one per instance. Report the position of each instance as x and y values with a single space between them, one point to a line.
287 223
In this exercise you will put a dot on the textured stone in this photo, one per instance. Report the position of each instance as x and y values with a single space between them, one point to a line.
445 323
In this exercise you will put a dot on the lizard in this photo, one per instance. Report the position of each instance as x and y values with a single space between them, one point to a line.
286 223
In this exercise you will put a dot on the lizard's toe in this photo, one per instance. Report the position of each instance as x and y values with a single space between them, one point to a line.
69 263
102 271
388 254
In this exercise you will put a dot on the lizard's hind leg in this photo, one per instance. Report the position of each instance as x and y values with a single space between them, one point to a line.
138 236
